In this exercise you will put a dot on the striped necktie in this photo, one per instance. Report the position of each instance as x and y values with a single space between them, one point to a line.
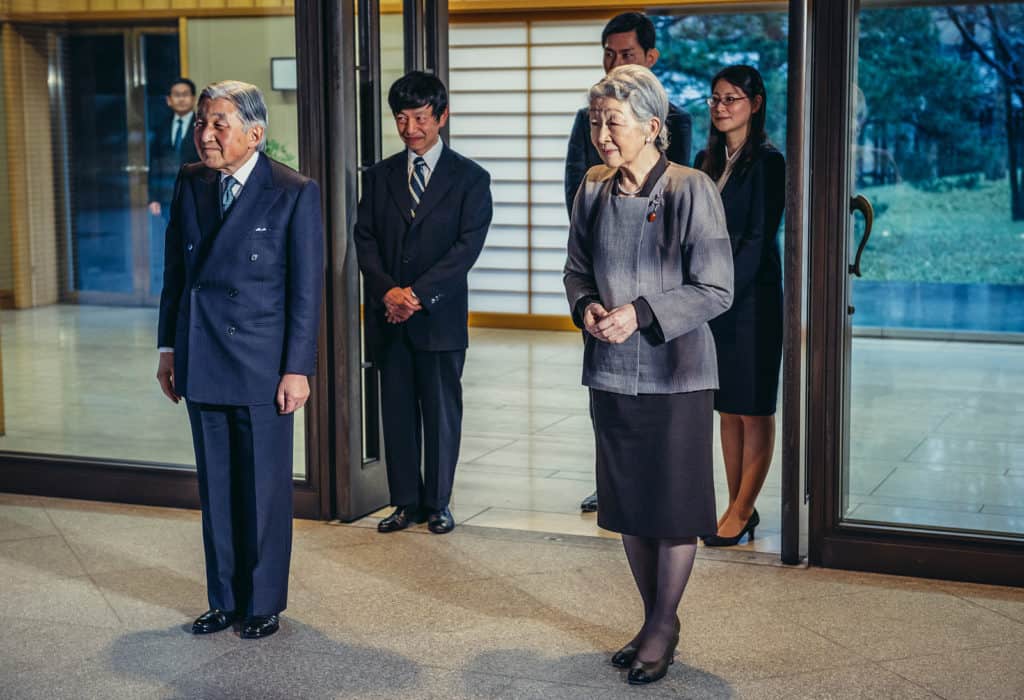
417 182
227 193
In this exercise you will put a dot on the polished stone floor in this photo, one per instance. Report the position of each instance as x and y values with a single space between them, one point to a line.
96 599
937 427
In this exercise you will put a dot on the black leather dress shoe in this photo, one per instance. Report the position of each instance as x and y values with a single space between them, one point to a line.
403 517
589 504
441 521
213 620
257 626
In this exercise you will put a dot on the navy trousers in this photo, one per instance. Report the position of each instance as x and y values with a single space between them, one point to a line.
244 461
421 401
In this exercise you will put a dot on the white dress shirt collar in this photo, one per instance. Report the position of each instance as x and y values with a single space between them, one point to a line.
431 156
243 173
186 123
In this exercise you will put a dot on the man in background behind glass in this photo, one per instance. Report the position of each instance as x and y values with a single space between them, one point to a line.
171 145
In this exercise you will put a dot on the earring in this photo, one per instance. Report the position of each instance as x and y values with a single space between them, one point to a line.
647 139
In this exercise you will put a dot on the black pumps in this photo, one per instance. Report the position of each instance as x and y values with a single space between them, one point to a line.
716 541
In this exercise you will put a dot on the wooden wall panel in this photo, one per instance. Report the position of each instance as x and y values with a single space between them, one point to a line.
30 168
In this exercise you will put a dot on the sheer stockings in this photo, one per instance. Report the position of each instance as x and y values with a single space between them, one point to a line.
661 569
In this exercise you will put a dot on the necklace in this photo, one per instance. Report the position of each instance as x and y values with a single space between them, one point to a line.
629 193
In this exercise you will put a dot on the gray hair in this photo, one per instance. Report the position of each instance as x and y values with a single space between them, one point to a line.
247 99
641 90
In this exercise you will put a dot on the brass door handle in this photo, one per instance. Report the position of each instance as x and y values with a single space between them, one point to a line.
863 205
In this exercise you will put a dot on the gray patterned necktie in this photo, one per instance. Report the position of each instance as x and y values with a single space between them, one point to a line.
417 181
227 193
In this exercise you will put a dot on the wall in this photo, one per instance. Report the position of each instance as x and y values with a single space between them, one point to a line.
6 271
241 49
30 191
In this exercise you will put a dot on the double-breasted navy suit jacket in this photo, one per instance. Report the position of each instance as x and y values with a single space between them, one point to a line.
432 252
241 298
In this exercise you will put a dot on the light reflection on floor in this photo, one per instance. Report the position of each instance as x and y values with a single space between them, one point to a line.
938 427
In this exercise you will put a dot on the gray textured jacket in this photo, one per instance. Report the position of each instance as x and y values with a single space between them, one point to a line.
671 248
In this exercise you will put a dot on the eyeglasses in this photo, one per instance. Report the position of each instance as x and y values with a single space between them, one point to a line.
728 100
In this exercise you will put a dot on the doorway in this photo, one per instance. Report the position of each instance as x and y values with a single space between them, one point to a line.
113 100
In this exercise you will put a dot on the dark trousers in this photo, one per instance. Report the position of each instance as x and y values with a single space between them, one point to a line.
244 461
421 401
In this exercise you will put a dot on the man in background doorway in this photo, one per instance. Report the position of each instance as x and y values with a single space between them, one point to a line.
171 145
421 225
627 39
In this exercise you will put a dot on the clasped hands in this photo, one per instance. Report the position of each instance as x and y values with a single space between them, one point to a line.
615 326
400 304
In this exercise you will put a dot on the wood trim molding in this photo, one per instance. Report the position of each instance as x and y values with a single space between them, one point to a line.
16 159
183 66
533 322
464 10
65 476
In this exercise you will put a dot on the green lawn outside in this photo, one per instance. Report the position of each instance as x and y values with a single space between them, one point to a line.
959 236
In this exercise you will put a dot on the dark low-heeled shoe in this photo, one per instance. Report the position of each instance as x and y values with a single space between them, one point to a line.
401 518
589 504
258 626
642 673
441 521
213 620
717 541
625 656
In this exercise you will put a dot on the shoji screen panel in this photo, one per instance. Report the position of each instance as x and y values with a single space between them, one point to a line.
515 90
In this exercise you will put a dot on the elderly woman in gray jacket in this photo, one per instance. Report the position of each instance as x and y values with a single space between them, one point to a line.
649 264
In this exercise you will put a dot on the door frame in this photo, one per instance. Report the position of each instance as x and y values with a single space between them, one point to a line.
833 543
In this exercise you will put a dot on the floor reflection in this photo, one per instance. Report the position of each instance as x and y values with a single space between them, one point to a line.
936 426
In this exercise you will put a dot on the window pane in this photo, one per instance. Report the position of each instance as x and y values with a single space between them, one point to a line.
91 184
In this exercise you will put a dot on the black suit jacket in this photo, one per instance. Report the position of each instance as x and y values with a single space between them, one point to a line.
165 161
431 252
582 155
754 200
241 297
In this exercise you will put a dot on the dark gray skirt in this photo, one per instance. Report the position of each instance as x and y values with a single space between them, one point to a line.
654 463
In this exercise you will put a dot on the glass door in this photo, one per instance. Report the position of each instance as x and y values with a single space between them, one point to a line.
115 83
937 369
917 402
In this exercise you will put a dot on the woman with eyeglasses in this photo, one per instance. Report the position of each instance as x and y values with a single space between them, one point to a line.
751 176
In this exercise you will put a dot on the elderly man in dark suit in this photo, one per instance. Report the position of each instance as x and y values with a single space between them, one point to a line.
421 225
238 329
627 39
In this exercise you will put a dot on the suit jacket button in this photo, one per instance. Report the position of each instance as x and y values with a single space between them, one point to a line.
405 260
231 330
254 257
233 293
196 287
190 246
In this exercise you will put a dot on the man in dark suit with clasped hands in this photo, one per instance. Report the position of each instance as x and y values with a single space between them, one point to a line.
421 225
239 314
